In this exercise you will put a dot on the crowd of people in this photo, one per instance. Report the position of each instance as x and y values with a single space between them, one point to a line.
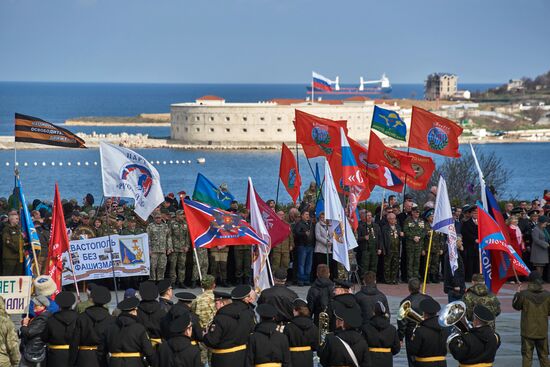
342 327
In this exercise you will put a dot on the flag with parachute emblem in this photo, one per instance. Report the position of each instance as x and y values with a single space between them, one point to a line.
289 174
127 174
389 123
206 192
433 133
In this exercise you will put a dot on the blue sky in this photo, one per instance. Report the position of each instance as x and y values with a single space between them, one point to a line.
263 41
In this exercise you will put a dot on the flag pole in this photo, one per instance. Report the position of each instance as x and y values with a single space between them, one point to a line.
427 262
298 166
383 201
197 261
111 249
268 264
312 90
277 195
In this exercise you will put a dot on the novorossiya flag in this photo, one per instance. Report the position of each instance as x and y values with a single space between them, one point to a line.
30 129
59 241
389 123
288 173
318 136
433 133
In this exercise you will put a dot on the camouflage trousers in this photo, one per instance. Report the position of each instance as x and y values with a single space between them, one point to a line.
158 266
243 261
219 263
413 259
177 266
202 255
391 266
434 263
369 259
279 259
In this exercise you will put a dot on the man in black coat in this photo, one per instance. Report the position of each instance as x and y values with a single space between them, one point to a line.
478 346
228 333
304 242
428 343
382 337
369 295
165 294
86 349
60 330
406 326
179 349
346 346
342 294
470 243
320 292
266 345
149 312
279 296
179 309
126 343
302 334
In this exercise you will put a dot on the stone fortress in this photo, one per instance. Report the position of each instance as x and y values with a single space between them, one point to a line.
210 120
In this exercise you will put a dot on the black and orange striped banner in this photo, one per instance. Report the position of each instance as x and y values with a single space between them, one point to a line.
30 129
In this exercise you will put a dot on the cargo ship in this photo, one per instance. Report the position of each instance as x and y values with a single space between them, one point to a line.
322 85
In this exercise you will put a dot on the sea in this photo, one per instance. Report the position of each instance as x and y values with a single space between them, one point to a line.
77 171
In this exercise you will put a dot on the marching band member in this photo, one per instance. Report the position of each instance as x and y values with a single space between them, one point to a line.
302 334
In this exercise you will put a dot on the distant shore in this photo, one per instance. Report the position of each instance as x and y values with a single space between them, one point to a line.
144 119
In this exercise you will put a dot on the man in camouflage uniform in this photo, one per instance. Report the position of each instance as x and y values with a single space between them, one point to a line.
160 245
369 238
84 230
12 246
204 306
180 243
415 230
9 341
280 255
131 227
436 251
391 233
478 294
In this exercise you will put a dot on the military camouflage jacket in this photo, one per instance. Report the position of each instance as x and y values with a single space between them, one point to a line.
180 235
479 295
9 348
160 237
413 228
203 306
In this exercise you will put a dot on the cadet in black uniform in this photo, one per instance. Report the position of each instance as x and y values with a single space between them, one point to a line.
320 293
406 326
149 312
428 343
279 296
228 333
341 294
382 337
165 294
478 346
302 334
60 330
86 349
179 309
346 346
179 350
266 345
126 341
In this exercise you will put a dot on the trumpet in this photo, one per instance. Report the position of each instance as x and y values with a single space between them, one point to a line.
454 314
406 312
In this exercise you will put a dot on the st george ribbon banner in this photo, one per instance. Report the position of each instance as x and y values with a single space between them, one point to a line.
92 258
16 292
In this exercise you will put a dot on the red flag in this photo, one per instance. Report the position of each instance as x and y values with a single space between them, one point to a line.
433 133
394 159
423 167
278 229
59 242
318 136
288 173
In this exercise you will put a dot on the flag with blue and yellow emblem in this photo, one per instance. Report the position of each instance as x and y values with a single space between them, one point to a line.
389 123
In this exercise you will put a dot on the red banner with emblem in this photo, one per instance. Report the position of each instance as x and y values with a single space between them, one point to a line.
318 136
433 133
288 173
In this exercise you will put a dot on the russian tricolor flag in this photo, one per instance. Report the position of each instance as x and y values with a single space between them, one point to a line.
320 82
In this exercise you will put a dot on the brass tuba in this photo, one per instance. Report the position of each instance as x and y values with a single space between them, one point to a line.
454 314
406 312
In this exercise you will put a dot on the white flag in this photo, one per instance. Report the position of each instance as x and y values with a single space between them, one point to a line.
127 174
343 238
444 222
261 251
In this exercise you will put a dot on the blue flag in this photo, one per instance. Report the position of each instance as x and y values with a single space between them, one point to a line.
29 232
208 193
389 123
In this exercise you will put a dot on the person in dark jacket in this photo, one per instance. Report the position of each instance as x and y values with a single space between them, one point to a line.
228 333
428 343
454 285
149 312
320 292
302 334
60 329
369 295
406 326
534 304
479 345
165 294
266 345
370 241
86 348
179 350
335 351
382 337
342 294
179 309
32 346
126 343
471 246
279 296
304 241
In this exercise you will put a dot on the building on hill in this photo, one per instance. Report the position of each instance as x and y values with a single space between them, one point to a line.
210 120
441 86
514 85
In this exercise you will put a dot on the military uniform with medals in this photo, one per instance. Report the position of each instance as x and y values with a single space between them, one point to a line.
414 228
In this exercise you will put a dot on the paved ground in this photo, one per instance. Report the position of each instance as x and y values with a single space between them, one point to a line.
508 323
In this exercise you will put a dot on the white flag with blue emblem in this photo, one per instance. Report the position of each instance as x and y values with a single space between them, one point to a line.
343 238
444 222
127 174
